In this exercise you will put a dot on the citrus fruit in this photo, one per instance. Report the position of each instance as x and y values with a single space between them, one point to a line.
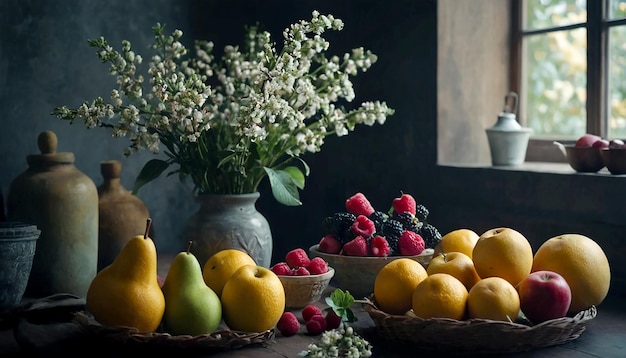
221 265
440 295
460 240
456 264
253 299
503 252
493 298
583 264
395 283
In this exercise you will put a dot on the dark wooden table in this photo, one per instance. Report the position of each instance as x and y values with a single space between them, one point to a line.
605 336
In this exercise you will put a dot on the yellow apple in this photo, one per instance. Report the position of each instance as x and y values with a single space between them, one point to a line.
456 264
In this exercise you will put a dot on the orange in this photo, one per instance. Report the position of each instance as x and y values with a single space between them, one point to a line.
460 240
253 299
440 296
503 252
493 298
456 264
395 283
221 265
583 264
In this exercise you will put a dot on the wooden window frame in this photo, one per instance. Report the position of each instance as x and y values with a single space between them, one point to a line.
597 27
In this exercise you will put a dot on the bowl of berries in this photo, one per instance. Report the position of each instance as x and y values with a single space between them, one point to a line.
359 241
303 279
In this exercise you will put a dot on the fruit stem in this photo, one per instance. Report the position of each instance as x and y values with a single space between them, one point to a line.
189 246
148 224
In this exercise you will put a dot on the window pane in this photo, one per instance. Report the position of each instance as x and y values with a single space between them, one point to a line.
617 82
617 9
556 83
542 14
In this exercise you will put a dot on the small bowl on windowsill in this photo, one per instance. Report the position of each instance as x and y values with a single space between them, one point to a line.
615 160
582 159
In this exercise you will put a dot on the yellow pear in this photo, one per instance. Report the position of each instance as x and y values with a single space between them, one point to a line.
127 293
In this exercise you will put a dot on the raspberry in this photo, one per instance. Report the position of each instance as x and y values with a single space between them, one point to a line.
317 266
309 311
404 203
332 320
356 247
410 244
281 268
296 258
379 246
330 245
316 325
300 271
358 204
363 226
288 324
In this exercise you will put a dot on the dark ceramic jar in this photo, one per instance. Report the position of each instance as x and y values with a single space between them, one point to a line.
122 215
63 203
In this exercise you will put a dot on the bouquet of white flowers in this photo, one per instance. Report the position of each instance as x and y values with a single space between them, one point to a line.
227 124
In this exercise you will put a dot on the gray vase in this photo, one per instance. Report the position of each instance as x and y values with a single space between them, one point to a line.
229 221
18 242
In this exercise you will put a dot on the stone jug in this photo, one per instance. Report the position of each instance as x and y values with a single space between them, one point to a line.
63 203
122 215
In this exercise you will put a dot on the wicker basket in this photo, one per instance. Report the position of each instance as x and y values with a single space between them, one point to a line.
222 339
477 335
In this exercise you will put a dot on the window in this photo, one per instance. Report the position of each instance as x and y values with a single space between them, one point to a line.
569 68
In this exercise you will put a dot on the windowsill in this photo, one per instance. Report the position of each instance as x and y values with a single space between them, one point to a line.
537 167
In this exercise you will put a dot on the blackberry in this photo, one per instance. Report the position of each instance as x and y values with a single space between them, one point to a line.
392 230
431 235
421 213
409 221
379 218
339 224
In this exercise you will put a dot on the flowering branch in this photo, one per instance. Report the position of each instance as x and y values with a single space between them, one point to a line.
228 124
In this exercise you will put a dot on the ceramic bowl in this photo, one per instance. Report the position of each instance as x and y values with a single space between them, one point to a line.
303 290
584 159
357 274
615 160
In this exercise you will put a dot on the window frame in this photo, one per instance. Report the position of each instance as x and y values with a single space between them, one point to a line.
597 26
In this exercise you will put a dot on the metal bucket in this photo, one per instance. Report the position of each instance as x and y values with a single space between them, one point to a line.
17 249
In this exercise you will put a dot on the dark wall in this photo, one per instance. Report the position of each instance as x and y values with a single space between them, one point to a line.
45 62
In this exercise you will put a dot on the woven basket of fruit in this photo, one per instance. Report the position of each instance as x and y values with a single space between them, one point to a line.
220 339
477 335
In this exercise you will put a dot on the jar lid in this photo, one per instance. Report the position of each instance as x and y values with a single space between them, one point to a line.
47 142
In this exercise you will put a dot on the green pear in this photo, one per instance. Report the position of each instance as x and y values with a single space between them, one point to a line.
191 307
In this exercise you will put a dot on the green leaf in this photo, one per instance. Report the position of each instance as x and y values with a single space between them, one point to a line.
340 302
296 175
150 171
284 188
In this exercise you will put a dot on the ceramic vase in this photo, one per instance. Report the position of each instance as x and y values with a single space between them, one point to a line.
229 221
122 215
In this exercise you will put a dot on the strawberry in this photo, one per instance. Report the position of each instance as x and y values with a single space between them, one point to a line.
316 325
333 320
296 258
358 204
379 246
404 203
363 226
410 243
330 244
317 266
309 311
288 324
356 247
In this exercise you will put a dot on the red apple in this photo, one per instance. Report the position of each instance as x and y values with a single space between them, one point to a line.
616 143
544 295
587 140
602 143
